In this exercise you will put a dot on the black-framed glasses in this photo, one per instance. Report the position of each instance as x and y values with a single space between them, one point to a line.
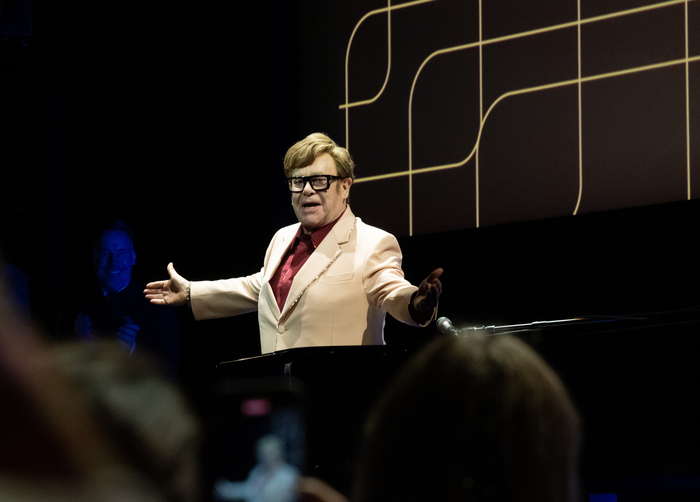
318 182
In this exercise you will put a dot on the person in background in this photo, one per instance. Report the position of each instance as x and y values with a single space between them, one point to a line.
112 304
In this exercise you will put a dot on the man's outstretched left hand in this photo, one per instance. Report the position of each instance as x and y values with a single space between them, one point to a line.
428 294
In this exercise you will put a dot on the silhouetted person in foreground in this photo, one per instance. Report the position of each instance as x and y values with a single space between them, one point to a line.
89 423
143 414
472 419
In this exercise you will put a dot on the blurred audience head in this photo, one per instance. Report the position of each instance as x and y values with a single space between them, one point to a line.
142 413
87 422
472 419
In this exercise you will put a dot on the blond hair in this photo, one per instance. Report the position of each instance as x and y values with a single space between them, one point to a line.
306 151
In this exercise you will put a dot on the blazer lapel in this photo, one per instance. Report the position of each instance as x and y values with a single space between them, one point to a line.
319 261
279 250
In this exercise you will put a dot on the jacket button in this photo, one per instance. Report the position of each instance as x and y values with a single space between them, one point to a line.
280 329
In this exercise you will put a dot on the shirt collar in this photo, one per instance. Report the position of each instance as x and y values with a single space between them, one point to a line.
105 293
318 235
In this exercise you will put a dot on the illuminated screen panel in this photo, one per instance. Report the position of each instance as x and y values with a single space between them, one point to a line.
462 113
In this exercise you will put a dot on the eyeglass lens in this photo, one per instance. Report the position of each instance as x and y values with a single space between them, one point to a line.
317 183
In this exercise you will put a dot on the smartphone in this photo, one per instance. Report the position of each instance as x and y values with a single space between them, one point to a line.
259 440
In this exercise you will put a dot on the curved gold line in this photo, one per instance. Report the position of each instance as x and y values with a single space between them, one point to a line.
592 78
481 112
388 9
527 90
347 105
521 34
410 125
388 67
580 112
347 60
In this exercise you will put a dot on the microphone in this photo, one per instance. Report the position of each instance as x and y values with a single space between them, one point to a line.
445 326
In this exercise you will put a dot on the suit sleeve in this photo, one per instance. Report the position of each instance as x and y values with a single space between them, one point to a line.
225 298
231 297
385 284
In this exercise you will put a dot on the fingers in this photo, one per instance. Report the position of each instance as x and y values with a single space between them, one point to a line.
172 272
170 292
430 291
154 286
154 292
176 283
430 299
435 274
158 286
433 291
433 279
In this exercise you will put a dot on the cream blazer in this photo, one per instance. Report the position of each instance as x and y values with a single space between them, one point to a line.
339 297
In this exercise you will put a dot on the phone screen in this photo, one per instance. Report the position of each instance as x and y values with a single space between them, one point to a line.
259 438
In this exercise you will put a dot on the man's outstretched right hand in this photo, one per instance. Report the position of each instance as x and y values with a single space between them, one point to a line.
170 292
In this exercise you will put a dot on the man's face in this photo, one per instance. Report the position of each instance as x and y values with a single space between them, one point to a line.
114 259
317 209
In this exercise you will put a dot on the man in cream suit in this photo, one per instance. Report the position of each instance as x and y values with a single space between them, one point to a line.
327 280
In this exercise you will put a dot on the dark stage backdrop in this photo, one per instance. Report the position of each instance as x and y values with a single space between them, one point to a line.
464 114
170 115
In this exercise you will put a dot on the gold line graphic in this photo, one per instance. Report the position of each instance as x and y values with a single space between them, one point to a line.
481 113
504 38
687 101
580 118
347 105
544 87
480 44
